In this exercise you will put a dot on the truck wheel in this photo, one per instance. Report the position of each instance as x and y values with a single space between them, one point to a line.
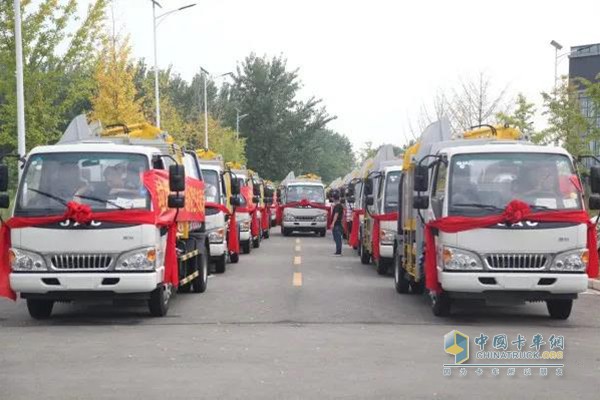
400 280
267 233
382 267
365 257
246 247
159 301
559 309
234 258
440 304
201 282
285 231
220 264
323 232
417 287
40 309
256 242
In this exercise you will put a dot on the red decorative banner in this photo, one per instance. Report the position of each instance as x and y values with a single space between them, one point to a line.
233 241
356 213
160 216
304 203
515 211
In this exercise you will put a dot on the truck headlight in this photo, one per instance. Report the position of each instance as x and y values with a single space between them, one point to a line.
321 218
216 236
571 261
137 260
387 236
22 260
289 218
244 226
460 260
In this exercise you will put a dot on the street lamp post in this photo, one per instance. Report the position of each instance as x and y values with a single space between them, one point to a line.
206 74
155 23
238 118
557 47
20 91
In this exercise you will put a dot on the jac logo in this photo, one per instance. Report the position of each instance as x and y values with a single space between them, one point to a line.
528 224
68 224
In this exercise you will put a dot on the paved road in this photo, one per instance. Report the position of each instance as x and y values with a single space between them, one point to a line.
262 330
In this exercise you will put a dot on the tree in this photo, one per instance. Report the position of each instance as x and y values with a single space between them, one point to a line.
566 124
334 157
59 54
115 99
366 152
521 117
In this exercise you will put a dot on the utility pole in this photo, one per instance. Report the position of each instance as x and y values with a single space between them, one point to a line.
238 118
21 148
205 75
156 91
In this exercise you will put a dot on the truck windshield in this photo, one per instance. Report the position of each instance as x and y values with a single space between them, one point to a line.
483 184
391 192
211 188
312 193
104 181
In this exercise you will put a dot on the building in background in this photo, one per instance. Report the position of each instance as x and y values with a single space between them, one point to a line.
584 62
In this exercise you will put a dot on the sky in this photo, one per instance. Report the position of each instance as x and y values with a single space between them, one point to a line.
374 63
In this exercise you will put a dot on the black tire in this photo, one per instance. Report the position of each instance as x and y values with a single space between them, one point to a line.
184 288
365 256
441 304
40 309
400 281
256 242
234 258
285 231
382 266
267 233
323 232
417 287
246 247
200 284
159 301
221 264
559 309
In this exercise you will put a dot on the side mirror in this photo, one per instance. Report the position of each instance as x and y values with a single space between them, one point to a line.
256 188
595 179
350 190
256 199
278 191
235 201
594 202
176 178
421 175
421 202
176 201
4 201
3 178
235 186
370 200
368 187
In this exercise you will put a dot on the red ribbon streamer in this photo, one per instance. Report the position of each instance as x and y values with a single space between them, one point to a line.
356 213
515 211
233 241
377 218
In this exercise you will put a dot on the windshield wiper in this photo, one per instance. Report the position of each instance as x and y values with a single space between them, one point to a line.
50 196
99 200
477 205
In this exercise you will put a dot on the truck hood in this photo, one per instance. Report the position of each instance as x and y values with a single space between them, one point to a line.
215 221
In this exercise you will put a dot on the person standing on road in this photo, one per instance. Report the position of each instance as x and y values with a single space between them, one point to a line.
336 219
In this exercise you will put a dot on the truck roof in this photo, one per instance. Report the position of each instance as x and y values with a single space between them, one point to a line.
95 147
504 147
393 168
305 183
211 164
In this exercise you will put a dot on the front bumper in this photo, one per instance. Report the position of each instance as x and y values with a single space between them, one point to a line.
304 225
479 282
114 282
217 249
386 250
244 236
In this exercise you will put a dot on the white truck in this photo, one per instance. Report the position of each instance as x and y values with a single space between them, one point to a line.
381 201
300 218
68 261
478 175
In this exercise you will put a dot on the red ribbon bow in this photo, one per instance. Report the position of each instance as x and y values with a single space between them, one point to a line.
80 213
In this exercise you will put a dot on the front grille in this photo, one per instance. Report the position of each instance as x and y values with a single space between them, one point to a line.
304 218
517 262
81 262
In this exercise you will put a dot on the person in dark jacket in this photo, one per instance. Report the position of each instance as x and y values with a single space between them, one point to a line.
338 231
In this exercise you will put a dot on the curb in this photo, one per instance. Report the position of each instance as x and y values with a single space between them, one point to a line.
594 284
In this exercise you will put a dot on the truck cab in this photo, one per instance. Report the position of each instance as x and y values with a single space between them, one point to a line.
504 263
300 218
243 216
384 186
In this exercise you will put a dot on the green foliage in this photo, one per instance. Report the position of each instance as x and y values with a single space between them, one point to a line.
521 118
58 83
566 124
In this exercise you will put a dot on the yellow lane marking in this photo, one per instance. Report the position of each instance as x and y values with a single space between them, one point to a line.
297 280
297 248
297 260
297 240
